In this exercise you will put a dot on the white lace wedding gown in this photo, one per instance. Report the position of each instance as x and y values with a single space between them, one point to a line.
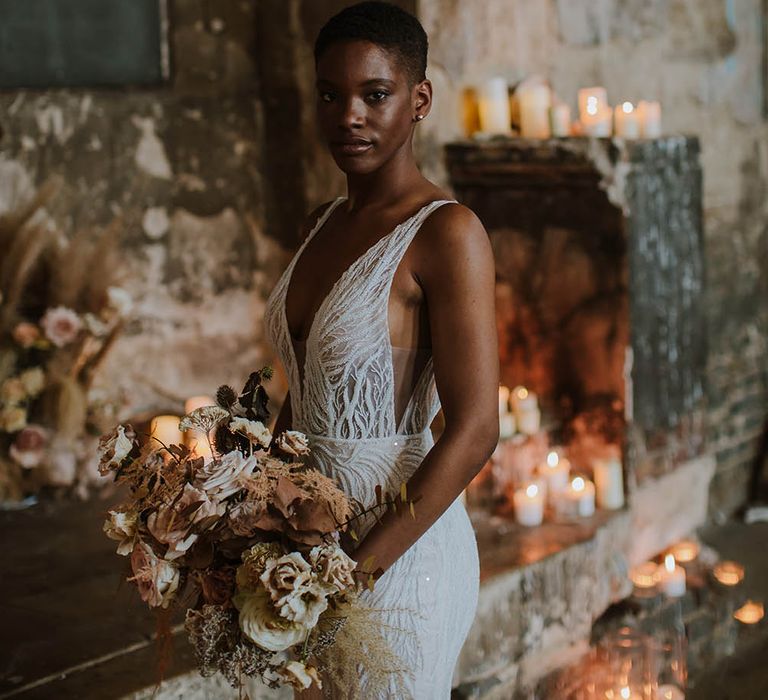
345 401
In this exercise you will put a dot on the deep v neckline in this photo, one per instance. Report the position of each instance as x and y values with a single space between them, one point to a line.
300 372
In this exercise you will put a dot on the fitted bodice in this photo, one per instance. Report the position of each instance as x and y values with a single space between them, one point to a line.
346 386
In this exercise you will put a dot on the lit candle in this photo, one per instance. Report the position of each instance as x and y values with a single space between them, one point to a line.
576 501
493 103
165 429
589 101
671 577
669 692
534 112
625 121
526 408
609 483
750 613
684 551
598 121
195 402
729 573
556 472
529 505
649 118
560 119
644 577
503 399
507 425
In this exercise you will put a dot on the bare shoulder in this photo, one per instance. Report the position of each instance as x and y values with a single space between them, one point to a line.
313 217
452 234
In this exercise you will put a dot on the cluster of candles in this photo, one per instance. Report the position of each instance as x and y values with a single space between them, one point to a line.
569 497
518 412
165 429
669 578
543 116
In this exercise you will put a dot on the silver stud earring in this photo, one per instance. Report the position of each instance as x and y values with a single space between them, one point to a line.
418 117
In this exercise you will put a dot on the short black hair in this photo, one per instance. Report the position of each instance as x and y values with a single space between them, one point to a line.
383 24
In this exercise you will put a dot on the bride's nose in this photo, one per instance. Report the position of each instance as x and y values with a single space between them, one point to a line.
352 113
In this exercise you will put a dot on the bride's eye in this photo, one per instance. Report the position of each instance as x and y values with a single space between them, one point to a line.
378 95
325 96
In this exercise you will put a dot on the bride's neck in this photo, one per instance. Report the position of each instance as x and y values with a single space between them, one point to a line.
393 181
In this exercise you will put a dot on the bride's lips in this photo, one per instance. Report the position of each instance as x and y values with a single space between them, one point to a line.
352 147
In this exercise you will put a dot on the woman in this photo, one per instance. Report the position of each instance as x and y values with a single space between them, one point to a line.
373 321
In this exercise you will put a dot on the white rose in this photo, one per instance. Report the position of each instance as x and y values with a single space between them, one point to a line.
333 567
254 430
121 526
222 477
156 579
299 676
293 589
33 381
293 442
260 623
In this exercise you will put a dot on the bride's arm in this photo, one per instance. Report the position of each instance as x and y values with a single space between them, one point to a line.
453 263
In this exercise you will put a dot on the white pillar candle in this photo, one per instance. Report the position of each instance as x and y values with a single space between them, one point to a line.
195 402
493 103
525 405
609 483
507 426
625 121
556 472
534 112
165 429
503 399
560 120
590 99
529 421
598 123
671 577
195 439
576 501
649 118
529 505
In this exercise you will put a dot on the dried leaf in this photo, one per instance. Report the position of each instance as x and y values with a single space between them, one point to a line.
403 493
413 512
353 535
368 562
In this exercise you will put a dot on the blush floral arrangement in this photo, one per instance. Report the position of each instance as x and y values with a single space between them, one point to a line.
249 544
61 312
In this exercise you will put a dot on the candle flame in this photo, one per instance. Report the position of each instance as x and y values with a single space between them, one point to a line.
592 106
627 108
729 573
532 491
669 562
750 613
578 484
521 392
626 692
553 459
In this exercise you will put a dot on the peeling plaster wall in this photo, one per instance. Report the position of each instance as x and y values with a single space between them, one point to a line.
704 60
182 168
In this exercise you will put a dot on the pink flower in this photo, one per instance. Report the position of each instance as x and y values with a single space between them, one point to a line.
61 325
26 334
28 449
156 579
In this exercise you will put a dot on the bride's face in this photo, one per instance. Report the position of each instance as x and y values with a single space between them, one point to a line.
365 106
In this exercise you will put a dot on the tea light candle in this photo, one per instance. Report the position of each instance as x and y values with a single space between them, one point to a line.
750 613
609 483
560 119
684 551
644 577
589 101
625 122
165 429
669 692
729 573
671 577
556 472
529 505
493 104
577 500
534 112
649 119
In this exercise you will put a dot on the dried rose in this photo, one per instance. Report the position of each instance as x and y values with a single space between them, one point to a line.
28 449
26 334
121 526
299 676
12 419
293 442
333 567
156 579
255 562
293 589
61 325
254 430
262 625
244 516
223 477
115 447
33 381
12 391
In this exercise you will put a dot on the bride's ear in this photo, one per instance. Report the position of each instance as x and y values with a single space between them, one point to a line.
422 99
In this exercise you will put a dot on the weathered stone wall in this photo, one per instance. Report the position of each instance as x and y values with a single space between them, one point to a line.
705 61
182 167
